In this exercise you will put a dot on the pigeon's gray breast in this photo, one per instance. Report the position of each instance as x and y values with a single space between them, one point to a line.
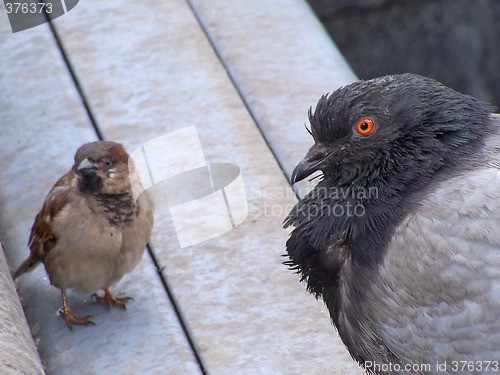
435 297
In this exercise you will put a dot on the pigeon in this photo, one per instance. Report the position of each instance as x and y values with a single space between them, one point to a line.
401 235
91 229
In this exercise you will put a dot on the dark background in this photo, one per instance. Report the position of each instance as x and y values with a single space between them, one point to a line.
456 42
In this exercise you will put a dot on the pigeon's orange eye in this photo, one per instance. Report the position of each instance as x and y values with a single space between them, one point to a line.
364 126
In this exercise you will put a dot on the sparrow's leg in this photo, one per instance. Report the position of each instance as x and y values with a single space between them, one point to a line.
70 318
110 298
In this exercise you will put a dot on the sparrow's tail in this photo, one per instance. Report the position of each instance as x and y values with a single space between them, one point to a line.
27 266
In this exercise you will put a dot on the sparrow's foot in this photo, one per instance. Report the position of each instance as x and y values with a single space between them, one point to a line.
71 319
109 298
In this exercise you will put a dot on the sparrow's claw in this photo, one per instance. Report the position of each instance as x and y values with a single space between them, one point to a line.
109 299
71 319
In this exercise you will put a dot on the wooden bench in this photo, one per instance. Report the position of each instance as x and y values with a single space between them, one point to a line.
244 74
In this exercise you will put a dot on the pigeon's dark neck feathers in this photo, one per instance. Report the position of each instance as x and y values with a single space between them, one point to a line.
428 133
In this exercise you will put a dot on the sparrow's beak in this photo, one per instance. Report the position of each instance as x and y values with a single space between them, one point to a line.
311 163
88 168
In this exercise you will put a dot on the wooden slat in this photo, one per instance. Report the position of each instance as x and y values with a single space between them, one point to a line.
42 124
282 61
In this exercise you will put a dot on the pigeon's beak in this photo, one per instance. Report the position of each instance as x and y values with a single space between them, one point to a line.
311 163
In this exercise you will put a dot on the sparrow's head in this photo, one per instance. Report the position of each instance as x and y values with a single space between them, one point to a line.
402 128
102 168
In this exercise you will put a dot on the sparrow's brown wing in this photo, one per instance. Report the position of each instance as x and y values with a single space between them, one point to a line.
42 238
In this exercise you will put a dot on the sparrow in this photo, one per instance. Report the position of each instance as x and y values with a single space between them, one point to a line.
91 229
401 235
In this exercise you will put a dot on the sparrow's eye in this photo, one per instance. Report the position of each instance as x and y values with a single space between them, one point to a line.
107 162
364 126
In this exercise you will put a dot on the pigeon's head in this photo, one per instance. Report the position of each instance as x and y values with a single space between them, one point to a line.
102 167
401 128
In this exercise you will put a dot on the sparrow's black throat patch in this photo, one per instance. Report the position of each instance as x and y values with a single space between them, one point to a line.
90 183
